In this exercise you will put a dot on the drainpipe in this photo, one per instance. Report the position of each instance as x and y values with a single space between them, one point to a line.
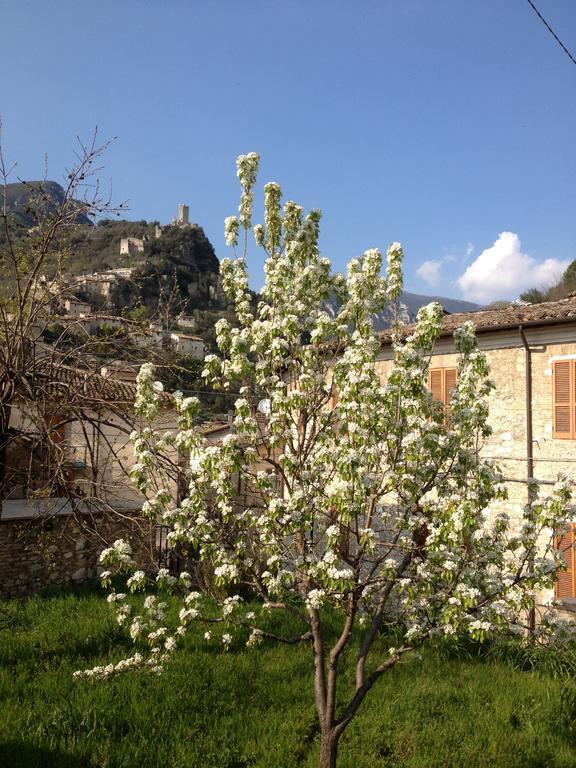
529 452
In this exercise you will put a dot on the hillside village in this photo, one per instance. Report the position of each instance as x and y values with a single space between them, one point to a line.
101 299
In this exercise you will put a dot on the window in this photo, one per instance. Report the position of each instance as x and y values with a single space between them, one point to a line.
34 455
564 399
57 428
442 383
566 581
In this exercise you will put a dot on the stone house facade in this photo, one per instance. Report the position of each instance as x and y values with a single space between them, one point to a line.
76 307
186 344
532 355
64 492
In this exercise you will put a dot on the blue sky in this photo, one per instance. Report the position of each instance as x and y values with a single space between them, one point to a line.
448 125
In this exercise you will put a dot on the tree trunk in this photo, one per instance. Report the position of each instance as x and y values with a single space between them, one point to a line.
328 749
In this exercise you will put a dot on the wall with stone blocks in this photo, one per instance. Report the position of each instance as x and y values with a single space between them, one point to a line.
36 553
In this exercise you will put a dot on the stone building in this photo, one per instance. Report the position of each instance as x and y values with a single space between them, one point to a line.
64 487
532 355
186 321
75 307
98 284
130 245
186 344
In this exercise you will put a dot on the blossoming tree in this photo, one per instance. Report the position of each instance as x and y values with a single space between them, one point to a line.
353 497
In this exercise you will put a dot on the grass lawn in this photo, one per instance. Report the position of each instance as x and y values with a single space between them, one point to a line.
211 709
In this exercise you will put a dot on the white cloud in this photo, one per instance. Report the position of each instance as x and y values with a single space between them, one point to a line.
503 271
429 271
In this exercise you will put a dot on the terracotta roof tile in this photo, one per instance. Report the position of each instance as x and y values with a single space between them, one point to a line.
562 311
86 387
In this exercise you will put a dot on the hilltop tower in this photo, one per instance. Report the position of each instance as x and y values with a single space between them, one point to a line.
183 215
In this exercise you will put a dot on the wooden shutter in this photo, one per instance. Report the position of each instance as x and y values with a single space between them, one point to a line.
449 386
334 397
57 427
563 399
442 384
450 382
437 384
566 580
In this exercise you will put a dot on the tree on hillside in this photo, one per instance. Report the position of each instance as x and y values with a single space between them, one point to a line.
337 498
562 288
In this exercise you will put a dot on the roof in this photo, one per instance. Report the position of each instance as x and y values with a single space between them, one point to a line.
547 313
83 386
210 427
186 336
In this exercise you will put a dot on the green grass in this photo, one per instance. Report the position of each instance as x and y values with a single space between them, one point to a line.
233 710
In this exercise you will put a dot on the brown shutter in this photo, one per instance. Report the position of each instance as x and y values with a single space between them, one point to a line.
449 384
334 397
442 383
57 428
573 396
563 405
436 384
565 583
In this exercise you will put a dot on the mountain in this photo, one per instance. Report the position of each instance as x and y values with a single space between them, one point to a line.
177 261
414 301
159 264
410 303
26 199
408 306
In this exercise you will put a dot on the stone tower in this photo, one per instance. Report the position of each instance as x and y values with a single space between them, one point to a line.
183 214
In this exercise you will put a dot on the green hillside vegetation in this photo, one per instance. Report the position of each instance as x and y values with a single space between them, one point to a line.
171 267
181 264
563 288
96 249
181 252
181 261
174 276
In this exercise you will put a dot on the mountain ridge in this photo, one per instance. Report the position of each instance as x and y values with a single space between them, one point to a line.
25 199
409 304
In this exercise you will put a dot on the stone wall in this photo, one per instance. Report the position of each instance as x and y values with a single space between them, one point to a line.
63 549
